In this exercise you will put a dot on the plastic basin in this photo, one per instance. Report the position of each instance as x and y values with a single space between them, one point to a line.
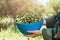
23 28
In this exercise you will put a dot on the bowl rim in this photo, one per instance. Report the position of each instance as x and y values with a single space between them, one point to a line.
31 23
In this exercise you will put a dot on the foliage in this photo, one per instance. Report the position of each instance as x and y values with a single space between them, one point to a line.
55 4
5 22
3 8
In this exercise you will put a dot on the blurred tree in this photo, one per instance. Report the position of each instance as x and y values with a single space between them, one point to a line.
55 4
3 8
22 6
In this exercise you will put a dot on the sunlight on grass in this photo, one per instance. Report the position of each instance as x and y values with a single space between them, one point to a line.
11 35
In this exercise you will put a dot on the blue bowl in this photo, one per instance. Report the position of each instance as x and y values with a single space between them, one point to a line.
24 27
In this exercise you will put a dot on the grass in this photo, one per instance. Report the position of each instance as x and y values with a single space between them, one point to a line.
10 34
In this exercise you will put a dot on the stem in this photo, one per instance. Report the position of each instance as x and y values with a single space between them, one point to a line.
28 38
